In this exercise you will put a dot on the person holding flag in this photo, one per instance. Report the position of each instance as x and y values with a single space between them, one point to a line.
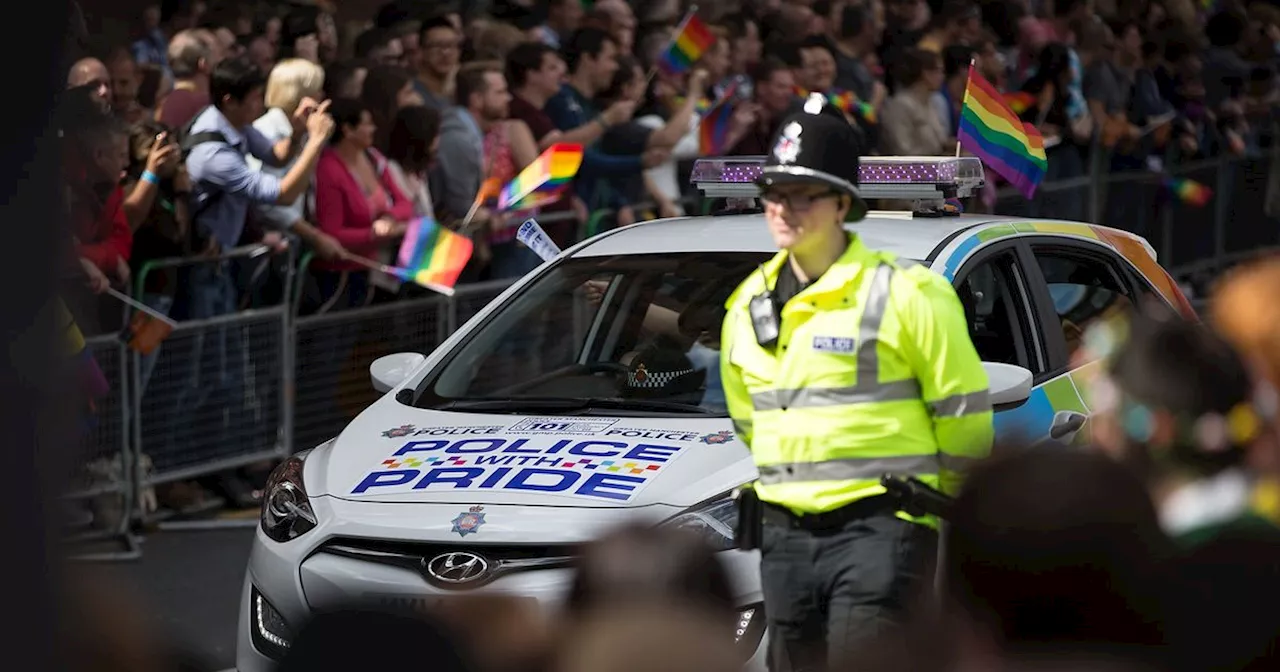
841 364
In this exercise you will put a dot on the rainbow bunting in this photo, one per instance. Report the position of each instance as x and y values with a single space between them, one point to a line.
544 180
691 41
991 130
1188 191
1020 101
431 254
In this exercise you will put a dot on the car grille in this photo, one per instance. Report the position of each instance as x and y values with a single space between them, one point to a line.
494 560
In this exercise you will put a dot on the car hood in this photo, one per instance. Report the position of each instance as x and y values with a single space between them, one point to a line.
398 454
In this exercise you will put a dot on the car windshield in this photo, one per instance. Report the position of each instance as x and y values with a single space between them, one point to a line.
634 334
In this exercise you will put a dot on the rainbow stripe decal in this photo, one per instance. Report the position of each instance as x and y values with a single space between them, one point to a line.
1069 391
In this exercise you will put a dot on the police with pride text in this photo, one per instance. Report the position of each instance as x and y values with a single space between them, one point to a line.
841 364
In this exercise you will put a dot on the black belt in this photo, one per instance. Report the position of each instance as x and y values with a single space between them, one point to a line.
830 520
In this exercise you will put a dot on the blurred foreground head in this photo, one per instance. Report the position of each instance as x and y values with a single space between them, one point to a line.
1177 402
366 639
639 565
1054 551
1245 311
647 639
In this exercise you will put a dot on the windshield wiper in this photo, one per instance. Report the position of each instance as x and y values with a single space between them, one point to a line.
517 405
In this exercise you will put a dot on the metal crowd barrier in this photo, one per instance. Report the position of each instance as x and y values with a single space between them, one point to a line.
269 382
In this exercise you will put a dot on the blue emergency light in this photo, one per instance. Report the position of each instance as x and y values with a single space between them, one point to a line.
911 178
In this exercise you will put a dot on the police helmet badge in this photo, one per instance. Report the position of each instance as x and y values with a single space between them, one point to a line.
641 374
788 147
469 521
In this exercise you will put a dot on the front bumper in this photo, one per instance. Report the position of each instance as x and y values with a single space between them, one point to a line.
285 583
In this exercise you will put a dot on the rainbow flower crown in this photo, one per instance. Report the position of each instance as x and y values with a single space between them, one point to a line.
1210 433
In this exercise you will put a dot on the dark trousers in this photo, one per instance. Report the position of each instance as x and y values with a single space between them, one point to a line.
828 592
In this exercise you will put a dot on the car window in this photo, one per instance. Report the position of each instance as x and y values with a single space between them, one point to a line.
1084 289
995 308
617 328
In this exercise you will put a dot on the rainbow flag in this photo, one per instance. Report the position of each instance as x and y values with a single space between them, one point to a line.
93 380
691 41
431 254
543 181
847 102
1020 101
713 130
1188 191
991 130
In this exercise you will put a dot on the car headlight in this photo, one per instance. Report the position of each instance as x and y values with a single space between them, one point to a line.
715 520
286 509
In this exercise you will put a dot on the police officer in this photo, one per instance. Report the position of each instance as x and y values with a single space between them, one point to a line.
841 364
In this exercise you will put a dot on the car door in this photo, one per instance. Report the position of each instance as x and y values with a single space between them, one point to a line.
1004 326
1076 284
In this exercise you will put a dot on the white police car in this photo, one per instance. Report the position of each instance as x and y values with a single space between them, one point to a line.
588 393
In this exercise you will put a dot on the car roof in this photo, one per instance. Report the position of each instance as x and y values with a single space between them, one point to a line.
899 233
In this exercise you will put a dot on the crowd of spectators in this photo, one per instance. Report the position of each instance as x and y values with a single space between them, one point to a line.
428 103
224 125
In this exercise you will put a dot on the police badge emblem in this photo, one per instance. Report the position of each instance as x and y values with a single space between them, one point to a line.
399 432
469 521
788 147
716 438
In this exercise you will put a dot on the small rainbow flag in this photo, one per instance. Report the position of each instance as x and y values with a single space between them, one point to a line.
544 180
713 130
847 102
691 41
991 130
1188 191
1019 101
92 379
431 254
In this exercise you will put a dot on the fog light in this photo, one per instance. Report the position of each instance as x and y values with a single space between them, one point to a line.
271 634
748 631
744 623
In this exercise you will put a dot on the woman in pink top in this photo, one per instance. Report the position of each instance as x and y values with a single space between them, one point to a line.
357 202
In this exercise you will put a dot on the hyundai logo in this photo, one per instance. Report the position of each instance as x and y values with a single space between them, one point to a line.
457 567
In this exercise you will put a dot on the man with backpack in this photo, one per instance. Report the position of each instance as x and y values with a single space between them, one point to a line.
224 186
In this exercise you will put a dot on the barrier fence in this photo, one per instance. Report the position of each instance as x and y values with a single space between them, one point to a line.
264 382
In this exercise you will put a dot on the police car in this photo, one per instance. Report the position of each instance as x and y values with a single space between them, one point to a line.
588 393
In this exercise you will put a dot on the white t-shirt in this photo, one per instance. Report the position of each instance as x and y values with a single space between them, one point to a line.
666 175
275 125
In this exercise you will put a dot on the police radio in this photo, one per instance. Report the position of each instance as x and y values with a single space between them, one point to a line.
764 316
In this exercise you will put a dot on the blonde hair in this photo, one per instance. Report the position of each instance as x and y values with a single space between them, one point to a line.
290 81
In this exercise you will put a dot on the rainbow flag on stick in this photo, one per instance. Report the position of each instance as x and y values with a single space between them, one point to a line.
431 255
991 130
691 41
543 181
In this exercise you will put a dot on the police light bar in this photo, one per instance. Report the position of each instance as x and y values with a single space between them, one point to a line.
925 178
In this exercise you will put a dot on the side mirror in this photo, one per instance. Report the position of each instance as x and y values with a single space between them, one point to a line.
389 371
1010 385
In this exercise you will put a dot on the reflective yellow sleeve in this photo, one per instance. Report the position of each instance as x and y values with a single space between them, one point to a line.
953 382
737 398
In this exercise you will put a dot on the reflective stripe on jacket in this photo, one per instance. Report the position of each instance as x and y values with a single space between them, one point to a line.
873 373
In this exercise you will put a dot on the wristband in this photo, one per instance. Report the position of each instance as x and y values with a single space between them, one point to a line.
148 176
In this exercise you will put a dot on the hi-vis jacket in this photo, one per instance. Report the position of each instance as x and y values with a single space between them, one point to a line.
873 373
